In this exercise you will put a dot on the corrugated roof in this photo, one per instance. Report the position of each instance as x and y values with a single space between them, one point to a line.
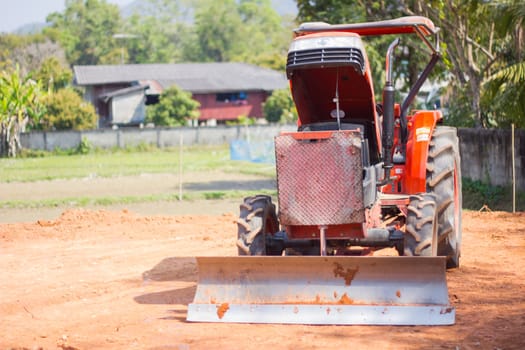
124 91
193 77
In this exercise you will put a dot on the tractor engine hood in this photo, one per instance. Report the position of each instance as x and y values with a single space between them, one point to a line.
329 76
320 50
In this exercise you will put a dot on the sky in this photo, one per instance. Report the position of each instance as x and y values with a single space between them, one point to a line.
16 13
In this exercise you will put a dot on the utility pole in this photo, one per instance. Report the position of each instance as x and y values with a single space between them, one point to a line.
123 36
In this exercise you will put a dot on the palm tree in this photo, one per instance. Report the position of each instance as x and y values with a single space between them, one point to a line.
19 104
504 90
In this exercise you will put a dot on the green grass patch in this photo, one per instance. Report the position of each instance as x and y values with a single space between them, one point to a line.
142 159
107 201
126 162
477 194
214 195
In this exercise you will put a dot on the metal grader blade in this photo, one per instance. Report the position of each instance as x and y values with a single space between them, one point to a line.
322 290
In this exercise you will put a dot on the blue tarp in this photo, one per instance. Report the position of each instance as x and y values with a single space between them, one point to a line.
252 151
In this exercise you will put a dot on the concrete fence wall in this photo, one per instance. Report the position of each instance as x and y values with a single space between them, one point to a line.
485 154
160 137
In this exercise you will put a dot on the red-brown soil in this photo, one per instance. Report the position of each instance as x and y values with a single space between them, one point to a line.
93 279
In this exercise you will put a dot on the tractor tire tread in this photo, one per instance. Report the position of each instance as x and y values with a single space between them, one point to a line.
443 169
421 226
256 212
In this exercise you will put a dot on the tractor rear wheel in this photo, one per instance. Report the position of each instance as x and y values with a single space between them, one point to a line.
421 226
257 219
444 180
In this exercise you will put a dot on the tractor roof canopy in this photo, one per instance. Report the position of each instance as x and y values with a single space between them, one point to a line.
404 25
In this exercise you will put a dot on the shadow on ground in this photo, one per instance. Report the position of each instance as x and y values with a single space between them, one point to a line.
224 185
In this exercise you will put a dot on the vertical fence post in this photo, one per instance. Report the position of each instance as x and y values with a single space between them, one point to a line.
181 143
513 173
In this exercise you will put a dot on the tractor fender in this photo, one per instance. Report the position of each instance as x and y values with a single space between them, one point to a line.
421 126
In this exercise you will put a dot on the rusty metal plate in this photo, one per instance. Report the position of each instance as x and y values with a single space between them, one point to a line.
322 290
320 181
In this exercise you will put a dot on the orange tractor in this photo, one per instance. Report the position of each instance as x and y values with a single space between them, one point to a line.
356 177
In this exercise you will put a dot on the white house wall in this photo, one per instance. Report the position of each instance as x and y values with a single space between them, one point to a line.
129 108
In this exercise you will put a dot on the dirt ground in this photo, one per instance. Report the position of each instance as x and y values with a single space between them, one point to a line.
122 279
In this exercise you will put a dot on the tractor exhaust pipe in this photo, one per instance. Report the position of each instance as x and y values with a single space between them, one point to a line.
388 114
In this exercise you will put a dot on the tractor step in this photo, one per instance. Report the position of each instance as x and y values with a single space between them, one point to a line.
322 290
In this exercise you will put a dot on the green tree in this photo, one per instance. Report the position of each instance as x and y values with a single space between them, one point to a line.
28 52
242 31
175 108
467 34
66 110
53 75
264 34
331 11
86 29
279 107
481 43
158 30
20 107
478 46
217 28
503 92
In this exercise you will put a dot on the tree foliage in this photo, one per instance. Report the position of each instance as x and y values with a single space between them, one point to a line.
247 30
175 108
66 110
86 30
503 92
474 50
279 107
467 47
331 11
162 31
53 75
28 52
217 28
264 34
158 30
482 42
20 107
